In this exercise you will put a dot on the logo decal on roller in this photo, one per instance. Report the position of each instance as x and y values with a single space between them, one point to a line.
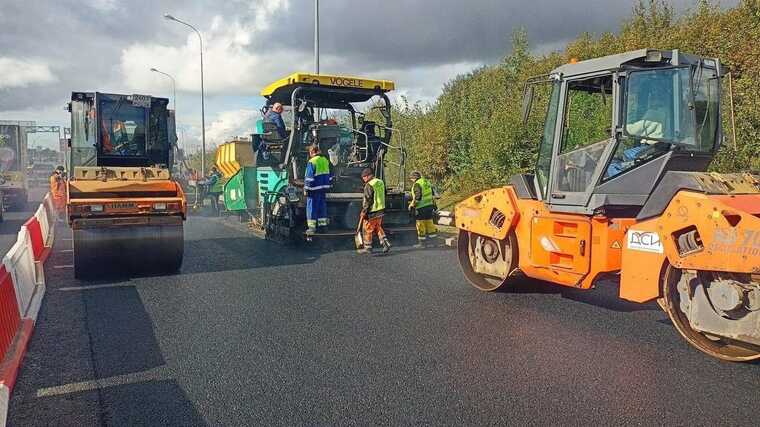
646 241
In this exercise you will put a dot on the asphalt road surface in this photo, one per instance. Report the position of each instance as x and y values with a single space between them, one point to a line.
255 333
13 219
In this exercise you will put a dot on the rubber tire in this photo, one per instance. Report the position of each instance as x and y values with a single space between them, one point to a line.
476 279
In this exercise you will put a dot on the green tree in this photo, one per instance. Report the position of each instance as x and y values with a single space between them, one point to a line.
472 136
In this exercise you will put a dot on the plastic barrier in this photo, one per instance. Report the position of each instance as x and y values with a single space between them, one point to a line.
48 209
35 237
47 203
22 287
19 262
11 364
9 312
44 219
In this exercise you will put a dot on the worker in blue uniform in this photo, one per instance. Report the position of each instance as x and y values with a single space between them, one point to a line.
317 182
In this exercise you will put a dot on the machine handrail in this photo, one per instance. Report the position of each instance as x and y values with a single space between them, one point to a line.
402 153
366 146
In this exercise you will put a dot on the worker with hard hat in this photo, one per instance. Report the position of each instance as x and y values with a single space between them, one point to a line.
373 210
423 206
317 182
58 189
213 188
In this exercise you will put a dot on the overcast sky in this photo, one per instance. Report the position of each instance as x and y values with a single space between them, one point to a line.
50 48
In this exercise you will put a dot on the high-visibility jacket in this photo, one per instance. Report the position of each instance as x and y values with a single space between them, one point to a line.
318 176
378 188
425 196
56 186
58 191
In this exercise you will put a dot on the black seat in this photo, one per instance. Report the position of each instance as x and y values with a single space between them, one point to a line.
271 134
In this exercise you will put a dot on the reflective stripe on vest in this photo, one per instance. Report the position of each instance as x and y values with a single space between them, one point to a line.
426 198
321 165
379 188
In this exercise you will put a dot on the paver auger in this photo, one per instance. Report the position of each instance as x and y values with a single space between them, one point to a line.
621 185
125 210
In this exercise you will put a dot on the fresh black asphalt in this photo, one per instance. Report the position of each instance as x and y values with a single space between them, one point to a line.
252 332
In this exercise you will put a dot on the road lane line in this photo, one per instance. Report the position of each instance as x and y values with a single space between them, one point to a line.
64 266
157 373
66 250
86 288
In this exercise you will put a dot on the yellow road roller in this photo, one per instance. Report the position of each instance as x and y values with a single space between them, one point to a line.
125 211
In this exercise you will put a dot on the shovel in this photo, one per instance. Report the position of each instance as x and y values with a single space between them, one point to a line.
359 238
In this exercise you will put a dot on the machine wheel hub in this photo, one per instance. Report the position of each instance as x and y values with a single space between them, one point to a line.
487 263
489 249
714 312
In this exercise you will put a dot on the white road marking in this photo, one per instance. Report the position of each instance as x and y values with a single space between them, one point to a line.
64 266
157 373
66 250
87 288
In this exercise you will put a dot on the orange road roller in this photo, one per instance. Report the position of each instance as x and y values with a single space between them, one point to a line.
621 187
124 208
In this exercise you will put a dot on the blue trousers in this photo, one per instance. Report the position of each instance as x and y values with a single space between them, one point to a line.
316 209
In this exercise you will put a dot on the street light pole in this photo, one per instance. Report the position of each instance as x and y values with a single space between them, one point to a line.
174 88
316 36
203 108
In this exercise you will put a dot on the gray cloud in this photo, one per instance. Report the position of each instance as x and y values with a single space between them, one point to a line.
82 41
414 33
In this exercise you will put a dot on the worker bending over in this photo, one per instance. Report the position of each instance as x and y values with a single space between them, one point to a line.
317 181
373 210
423 206
58 190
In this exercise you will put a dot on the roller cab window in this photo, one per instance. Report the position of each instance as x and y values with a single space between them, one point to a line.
667 109
586 132
122 128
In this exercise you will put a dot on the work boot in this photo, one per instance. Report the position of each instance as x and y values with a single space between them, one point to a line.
420 244
311 231
364 250
386 245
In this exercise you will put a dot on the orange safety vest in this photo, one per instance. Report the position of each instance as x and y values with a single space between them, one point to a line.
57 191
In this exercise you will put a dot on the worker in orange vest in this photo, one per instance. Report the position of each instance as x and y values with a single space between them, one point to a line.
58 189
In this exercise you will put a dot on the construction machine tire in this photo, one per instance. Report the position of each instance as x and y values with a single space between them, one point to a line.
139 250
718 347
487 263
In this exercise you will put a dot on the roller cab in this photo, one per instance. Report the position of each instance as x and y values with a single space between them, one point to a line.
13 160
125 211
